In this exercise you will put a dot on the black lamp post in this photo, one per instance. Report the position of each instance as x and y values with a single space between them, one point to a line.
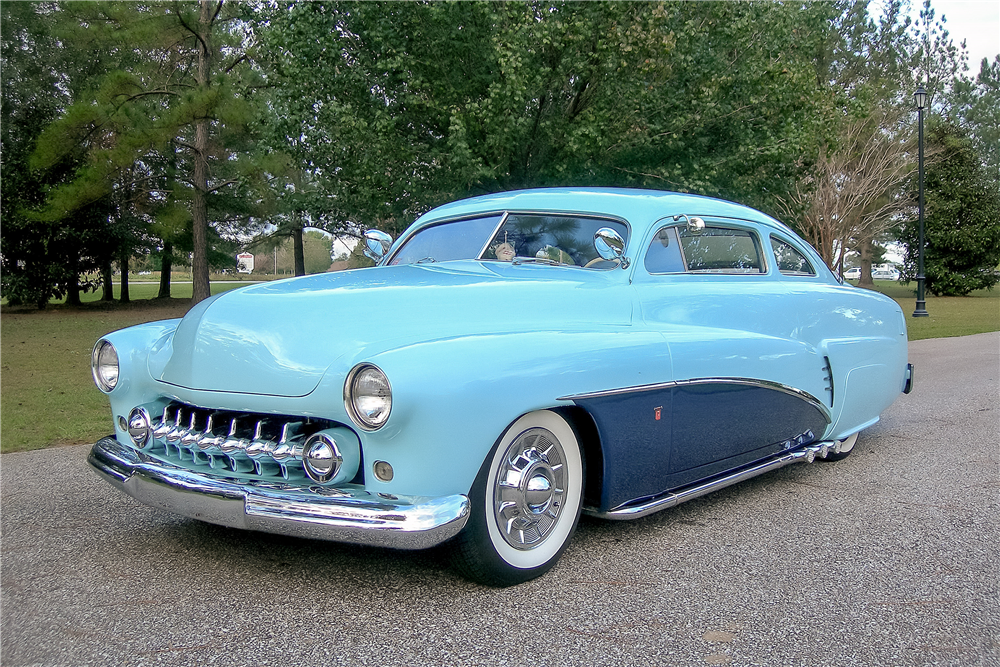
921 99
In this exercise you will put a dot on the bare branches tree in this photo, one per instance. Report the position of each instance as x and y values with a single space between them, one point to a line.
854 193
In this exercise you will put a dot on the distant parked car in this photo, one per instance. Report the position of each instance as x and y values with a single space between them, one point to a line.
514 359
853 274
885 274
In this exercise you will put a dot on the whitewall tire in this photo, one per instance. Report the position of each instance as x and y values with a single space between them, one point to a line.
526 502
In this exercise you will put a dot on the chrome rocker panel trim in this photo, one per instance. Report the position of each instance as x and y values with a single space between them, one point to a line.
342 515
807 454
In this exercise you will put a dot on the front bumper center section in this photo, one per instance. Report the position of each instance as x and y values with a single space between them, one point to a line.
341 515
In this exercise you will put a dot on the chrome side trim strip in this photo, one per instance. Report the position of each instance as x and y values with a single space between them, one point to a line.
671 499
348 514
746 382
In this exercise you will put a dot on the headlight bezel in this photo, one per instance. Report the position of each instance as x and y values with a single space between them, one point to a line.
105 381
359 416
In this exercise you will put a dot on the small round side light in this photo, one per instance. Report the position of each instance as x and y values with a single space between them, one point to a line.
383 471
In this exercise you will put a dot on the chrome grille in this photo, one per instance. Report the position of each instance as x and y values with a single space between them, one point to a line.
264 446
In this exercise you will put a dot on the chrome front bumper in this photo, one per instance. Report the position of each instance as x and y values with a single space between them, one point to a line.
324 513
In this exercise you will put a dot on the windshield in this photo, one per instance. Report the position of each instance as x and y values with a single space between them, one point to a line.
523 237
462 239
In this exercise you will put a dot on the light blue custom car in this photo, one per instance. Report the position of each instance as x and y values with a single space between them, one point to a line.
513 360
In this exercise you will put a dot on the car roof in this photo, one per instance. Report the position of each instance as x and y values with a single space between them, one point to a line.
640 208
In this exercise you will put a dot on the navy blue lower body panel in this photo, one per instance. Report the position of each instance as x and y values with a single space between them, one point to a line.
669 436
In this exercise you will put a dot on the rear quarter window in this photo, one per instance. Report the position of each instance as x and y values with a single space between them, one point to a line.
790 262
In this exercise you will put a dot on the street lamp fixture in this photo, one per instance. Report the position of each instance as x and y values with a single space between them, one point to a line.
920 97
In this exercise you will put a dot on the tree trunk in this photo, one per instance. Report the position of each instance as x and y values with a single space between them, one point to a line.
166 264
124 298
298 252
73 287
865 252
199 201
107 281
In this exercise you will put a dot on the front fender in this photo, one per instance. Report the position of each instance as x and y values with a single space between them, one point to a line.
135 385
453 398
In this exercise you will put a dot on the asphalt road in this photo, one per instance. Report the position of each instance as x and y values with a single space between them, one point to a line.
889 557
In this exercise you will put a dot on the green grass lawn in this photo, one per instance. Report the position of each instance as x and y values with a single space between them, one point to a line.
949 315
48 398
47 395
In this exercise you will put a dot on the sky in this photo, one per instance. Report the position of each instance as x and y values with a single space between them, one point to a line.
976 21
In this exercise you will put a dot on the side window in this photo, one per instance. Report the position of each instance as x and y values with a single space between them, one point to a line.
664 253
790 261
563 239
720 250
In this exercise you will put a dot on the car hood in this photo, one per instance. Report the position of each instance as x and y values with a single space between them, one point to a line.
280 338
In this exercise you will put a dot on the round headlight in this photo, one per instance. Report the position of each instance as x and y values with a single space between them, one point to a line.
368 396
104 365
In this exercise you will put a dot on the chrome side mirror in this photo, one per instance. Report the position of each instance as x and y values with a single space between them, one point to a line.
610 245
376 244
694 225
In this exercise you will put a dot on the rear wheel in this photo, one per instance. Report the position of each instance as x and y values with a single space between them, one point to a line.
526 502
846 447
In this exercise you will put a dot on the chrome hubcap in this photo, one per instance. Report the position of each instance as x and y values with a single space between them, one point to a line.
529 489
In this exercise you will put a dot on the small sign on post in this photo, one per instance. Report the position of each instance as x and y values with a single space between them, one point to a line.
244 262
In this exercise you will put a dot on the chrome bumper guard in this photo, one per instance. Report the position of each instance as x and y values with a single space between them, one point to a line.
341 515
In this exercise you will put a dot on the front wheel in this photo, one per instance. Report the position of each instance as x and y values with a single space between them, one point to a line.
525 501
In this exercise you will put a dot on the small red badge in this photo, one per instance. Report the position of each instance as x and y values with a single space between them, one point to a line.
657 412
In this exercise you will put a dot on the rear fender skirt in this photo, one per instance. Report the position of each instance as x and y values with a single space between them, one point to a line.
662 436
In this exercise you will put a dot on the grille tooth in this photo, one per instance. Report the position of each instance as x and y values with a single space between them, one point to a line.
266 468
240 464
209 441
292 471
165 425
193 432
178 431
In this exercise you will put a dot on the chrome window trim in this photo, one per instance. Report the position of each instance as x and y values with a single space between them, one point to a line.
486 244
747 382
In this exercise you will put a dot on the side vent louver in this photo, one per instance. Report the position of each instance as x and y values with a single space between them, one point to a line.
828 376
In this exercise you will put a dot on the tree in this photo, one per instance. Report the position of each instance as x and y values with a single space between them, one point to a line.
43 258
393 108
853 190
976 109
962 220
180 103
852 196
